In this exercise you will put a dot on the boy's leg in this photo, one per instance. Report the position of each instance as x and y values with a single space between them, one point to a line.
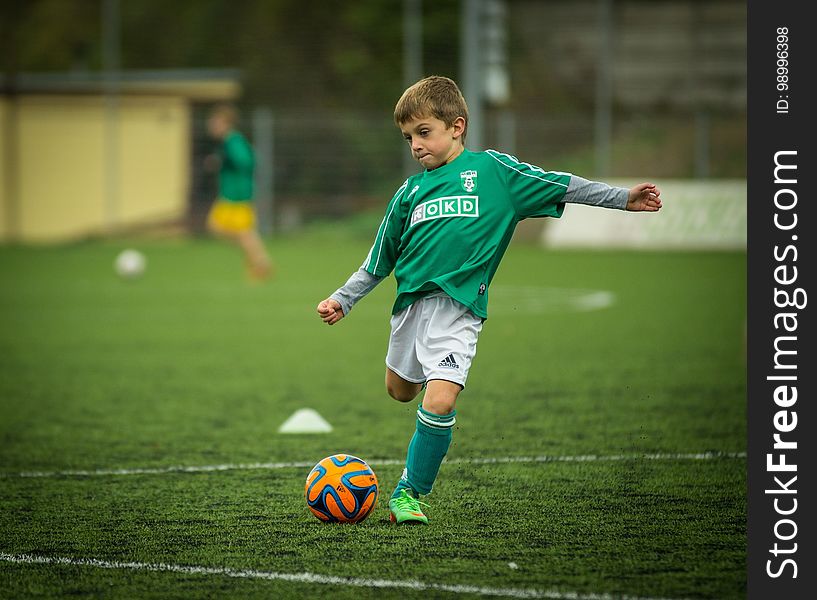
441 343
215 223
401 389
431 439
255 253
404 373
441 396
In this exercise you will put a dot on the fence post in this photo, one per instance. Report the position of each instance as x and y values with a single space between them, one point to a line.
263 125
412 60
604 88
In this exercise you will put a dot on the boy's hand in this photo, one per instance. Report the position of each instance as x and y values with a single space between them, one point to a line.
330 311
644 196
212 163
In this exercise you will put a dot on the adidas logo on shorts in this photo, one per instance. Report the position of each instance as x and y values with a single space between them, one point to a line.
449 362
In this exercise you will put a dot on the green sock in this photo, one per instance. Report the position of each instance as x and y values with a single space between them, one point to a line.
426 451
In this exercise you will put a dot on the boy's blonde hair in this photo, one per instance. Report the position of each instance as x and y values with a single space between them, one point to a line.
434 96
226 111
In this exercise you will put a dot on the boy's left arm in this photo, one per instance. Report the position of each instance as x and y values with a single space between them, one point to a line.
642 197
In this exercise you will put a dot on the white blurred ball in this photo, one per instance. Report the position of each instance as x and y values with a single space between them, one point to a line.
130 264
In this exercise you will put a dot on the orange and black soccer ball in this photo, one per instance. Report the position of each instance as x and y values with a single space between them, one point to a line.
341 489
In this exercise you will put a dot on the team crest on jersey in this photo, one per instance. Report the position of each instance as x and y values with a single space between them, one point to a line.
468 179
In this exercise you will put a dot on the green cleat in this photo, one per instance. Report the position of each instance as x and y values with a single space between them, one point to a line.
406 509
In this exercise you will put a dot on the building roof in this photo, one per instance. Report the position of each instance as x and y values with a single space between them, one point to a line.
194 84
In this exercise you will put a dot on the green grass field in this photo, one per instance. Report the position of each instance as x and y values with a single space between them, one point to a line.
191 366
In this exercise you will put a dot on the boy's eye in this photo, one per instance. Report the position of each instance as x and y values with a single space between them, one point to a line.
424 132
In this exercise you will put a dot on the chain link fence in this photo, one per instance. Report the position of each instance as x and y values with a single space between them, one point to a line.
676 107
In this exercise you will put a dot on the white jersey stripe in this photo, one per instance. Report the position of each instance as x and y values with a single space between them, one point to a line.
381 231
494 154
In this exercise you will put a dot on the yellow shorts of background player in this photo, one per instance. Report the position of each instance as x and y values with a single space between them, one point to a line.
231 217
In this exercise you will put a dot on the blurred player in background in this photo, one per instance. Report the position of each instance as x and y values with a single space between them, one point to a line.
444 234
233 215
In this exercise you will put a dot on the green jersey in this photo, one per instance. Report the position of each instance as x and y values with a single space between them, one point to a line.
235 178
447 229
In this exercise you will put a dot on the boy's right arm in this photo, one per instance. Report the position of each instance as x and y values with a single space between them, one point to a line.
338 305
377 266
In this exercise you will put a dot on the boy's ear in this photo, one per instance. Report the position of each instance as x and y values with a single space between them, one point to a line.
459 126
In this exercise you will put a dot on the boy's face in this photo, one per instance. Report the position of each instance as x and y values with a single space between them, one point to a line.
218 126
432 143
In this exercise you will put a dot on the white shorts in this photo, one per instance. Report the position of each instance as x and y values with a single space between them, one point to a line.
433 338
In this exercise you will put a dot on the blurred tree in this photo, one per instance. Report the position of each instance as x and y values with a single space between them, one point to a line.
50 35
292 53
315 58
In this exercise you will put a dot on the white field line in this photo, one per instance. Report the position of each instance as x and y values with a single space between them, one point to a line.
272 466
312 578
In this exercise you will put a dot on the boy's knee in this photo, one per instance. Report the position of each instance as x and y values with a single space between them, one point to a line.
217 231
400 389
401 393
441 396
439 406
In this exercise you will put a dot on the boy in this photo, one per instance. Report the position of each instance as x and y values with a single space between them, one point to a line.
443 235
232 214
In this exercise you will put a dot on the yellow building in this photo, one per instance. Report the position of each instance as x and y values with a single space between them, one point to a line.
78 160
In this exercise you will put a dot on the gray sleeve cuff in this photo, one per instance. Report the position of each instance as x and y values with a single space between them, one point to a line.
594 193
358 285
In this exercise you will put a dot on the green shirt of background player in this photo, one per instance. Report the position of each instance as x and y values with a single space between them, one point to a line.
443 235
235 177
232 215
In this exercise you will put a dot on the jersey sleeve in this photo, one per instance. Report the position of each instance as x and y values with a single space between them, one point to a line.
533 191
386 248
595 193
356 287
